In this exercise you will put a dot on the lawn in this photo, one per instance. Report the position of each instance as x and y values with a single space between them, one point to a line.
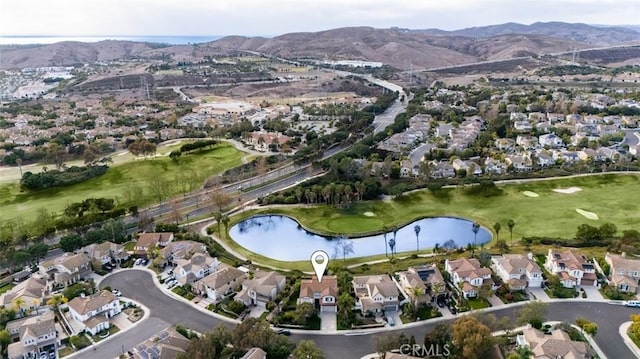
7 287
614 198
136 182
478 303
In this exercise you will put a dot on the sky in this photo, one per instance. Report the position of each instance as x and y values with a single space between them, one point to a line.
274 17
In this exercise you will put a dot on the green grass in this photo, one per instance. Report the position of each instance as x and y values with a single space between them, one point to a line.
128 182
112 330
129 246
614 198
7 287
478 303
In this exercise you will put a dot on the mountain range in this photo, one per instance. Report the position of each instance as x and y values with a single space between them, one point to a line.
397 47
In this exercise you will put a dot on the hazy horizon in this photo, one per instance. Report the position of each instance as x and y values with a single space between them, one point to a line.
274 17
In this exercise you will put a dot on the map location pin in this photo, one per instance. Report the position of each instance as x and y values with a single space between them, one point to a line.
319 261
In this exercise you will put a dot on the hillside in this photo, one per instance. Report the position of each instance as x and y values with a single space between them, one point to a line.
400 48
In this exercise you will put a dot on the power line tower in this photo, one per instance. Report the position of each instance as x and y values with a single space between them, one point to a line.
144 85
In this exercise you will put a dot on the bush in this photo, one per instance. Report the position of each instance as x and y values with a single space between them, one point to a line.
54 178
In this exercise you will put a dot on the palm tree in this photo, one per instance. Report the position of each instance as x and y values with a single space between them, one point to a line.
497 227
395 232
416 292
416 229
18 304
511 224
436 248
225 222
475 227
385 230
218 217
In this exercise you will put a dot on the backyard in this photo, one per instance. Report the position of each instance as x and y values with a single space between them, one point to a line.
142 181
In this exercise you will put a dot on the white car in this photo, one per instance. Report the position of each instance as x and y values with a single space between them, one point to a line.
116 292
632 303
138 261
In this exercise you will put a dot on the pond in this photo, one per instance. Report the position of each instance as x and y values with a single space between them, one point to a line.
282 238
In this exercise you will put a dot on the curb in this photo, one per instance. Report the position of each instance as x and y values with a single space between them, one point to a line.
87 349
623 329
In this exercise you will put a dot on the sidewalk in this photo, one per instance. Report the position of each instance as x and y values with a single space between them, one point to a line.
624 327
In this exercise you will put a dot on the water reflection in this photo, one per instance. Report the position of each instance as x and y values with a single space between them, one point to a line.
283 238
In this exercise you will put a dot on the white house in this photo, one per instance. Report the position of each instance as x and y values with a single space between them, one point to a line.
197 267
518 271
36 336
469 274
263 288
573 270
551 140
375 293
93 312
625 272
66 269
220 283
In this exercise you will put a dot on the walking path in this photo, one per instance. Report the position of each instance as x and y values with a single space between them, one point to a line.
624 328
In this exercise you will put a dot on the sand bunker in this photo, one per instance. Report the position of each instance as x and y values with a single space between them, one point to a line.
530 194
568 190
587 214
369 214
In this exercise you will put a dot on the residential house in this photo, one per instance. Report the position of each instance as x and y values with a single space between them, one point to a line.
321 294
147 241
468 275
220 283
36 337
545 160
518 116
376 293
518 271
255 353
93 312
519 163
181 250
587 154
168 344
505 144
555 117
527 142
66 269
198 266
442 169
522 126
261 140
408 169
551 140
624 273
106 252
494 166
459 165
25 296
427 278
573 270
264 287
556 345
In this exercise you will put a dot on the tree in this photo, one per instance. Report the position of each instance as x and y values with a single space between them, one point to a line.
342 246
497 227
225 221
307 349
417 292
475 228
56 301
533 313
511 224
220 199
590 328
256 333
472 338
56 154
345 306
385 343
18 304
416 229
302 312
5 339
385 230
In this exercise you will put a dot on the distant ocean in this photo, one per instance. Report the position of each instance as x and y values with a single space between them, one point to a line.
171 40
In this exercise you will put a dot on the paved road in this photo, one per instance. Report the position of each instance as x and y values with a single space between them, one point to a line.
138 285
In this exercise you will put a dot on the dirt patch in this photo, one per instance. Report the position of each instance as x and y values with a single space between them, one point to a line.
568 190
587 214
530 194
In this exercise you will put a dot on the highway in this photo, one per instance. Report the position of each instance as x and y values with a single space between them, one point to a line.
139 286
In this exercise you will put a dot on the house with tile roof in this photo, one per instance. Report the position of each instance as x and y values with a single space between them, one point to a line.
35 335
146 241
30 293
255 353
519 271
198 266
106 252
66 269
93 312
323 294
220 283
573 270
468 275
427 278
624 273
556 345
180 250
264 287
376 293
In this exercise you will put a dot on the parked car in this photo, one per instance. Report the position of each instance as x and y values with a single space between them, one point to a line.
145 261
391 321
284 332
52 354
452 309
138 261
116 292
631 303
44 355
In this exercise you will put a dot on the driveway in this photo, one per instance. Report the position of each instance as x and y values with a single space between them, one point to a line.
256 311
539 294
593 293
328 322
495 301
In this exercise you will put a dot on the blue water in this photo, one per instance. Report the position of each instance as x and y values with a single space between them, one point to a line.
171 40
282 238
